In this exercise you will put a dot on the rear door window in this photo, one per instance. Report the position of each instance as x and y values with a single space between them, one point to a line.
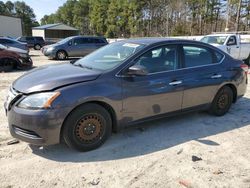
80 41
99 41
29 38
195 56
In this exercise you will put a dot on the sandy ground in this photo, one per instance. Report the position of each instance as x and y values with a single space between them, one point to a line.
158 154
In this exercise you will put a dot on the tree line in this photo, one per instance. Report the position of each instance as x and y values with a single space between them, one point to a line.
129 18
141 18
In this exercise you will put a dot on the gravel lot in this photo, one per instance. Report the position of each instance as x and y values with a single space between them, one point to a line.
157 154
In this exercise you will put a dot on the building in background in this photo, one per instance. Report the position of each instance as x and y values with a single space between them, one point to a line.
10 26
54 31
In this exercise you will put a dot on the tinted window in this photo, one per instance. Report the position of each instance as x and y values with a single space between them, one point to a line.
29 38
98 41
39 38
218 57
159 59
79 41
197 56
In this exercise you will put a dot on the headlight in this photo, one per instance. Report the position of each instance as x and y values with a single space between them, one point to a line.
50 49
38 101
23 55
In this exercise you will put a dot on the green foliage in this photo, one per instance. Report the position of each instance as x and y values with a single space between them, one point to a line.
128 18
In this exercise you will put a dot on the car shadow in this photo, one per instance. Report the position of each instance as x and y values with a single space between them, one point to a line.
156 135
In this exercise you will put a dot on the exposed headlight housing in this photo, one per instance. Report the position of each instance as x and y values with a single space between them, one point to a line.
39 100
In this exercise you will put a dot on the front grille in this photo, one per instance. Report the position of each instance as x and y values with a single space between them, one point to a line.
26 133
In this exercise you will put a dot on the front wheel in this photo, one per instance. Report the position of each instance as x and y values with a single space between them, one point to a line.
222 101
61 55
37 47
87 127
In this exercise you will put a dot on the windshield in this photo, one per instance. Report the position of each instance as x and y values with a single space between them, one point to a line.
214 39
64 40
109 56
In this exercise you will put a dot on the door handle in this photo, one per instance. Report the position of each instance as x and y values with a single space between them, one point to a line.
174 83
216 76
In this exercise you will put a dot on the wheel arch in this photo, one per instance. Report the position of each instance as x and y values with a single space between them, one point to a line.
105 105
234 89
16 61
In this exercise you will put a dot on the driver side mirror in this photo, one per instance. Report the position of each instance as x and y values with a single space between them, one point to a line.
70 43
137 70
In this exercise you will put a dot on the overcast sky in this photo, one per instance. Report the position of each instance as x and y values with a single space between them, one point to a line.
42 7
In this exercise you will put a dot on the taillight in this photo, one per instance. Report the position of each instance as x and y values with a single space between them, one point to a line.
244 67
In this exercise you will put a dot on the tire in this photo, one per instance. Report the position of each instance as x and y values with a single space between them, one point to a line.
222 101
61 55
87 127
7 65
37 47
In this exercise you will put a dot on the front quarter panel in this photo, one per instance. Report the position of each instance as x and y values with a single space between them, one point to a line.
104 89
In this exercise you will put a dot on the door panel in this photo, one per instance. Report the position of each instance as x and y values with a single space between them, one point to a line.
73 48
160 91
202 76
233 48
146 96
200 85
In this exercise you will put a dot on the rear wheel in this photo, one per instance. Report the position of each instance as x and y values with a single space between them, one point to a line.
6 65
37 47
87 127
61 55
222 101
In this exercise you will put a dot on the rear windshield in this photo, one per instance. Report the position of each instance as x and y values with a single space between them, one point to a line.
214 39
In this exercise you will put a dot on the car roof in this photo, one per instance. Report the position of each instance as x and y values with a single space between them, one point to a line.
82 36
149 41
220 35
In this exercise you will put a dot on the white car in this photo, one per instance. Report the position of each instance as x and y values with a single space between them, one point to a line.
230 43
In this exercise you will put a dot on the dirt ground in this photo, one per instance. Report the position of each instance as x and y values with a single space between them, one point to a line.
157 154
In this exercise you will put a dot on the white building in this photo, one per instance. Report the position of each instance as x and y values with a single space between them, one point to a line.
10 26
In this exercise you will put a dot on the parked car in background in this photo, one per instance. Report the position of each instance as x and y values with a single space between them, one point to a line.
121 84
33 42
231 44
76 46
8 42
11 58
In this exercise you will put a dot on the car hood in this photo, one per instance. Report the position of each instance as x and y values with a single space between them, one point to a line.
51 45
50 77
18 50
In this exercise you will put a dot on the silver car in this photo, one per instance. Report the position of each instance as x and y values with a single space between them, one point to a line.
77 46
8 42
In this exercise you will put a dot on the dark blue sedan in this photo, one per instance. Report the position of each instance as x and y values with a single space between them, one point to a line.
122 84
